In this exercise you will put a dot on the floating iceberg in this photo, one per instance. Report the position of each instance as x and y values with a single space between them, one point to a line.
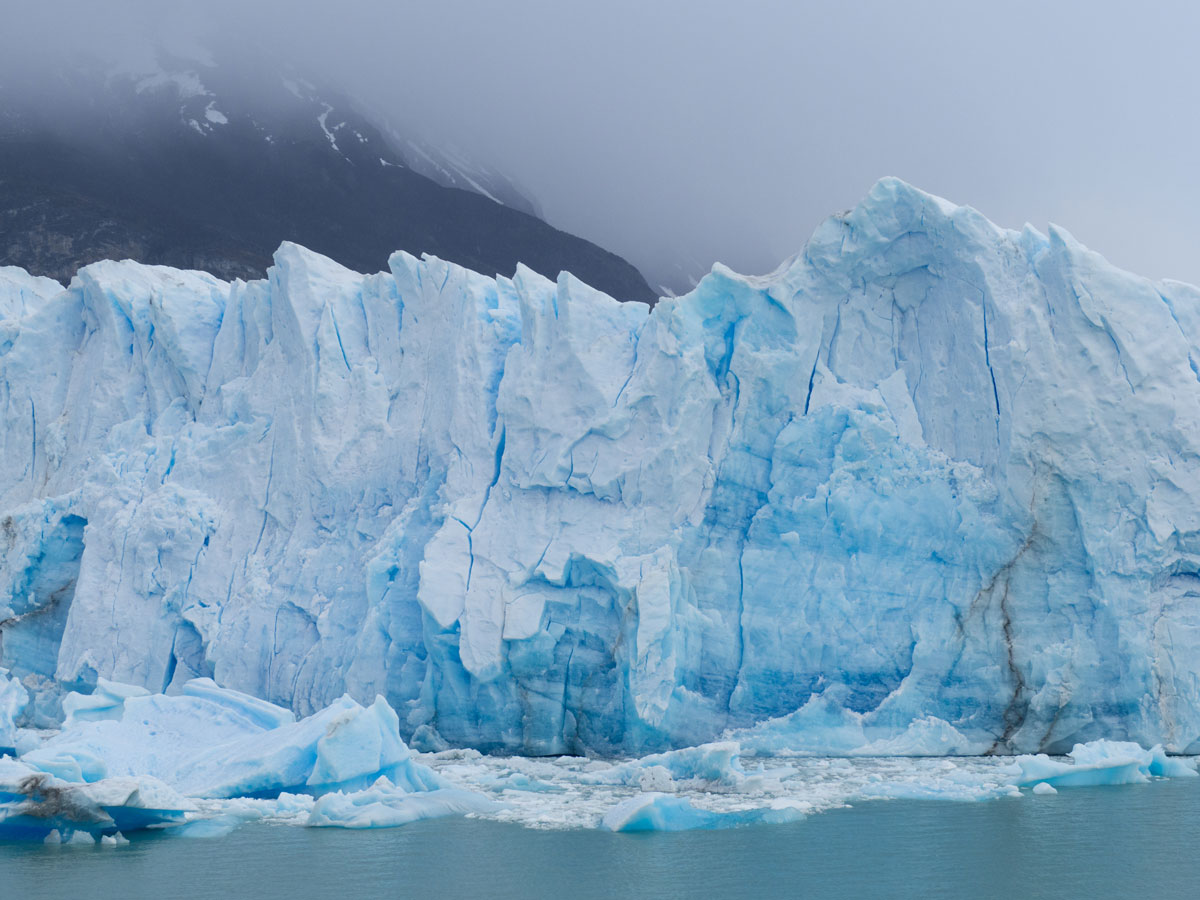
212 742
126 760
1098 763
383 805
35 805
929 468
664 812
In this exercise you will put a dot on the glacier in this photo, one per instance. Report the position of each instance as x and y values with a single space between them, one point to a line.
931 487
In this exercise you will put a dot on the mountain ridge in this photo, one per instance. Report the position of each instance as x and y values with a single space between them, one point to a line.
177 167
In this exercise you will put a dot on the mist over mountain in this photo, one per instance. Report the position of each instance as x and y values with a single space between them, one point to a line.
185 161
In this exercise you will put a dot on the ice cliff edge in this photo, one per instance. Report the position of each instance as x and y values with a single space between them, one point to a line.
929 468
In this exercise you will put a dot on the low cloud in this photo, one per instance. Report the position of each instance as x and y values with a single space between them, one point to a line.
688 132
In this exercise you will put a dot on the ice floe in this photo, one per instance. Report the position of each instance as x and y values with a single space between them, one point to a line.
1099 763
207 760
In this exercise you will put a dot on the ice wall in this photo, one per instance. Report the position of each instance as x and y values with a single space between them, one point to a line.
928 468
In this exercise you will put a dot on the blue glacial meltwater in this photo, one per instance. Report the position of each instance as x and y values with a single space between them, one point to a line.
1096 843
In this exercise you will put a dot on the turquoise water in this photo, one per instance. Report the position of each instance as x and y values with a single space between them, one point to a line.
1112 842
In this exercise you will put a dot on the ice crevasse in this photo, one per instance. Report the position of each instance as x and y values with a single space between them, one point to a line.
932 483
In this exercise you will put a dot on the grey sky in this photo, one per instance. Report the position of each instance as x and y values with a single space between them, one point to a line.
728 131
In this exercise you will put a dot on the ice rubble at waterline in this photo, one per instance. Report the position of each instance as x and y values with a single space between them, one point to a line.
204 761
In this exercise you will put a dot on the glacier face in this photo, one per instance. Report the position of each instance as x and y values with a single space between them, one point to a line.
929 468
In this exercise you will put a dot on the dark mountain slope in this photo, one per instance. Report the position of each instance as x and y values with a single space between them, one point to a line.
174 170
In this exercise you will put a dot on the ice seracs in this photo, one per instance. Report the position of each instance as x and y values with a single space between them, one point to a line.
931 487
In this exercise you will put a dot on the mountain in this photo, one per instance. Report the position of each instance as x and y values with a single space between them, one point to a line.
930 475
195 165
451 167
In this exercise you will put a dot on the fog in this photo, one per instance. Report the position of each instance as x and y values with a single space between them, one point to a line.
688 132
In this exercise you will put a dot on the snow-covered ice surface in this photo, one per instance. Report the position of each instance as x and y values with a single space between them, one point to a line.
931 488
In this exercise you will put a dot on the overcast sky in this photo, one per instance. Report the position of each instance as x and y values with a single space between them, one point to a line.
703 130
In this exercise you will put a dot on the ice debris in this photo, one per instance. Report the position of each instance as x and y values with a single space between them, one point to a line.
225 758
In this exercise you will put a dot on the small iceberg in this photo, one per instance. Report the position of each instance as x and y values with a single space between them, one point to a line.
667 812
385 805
1100 763
213 742
36 805
127 760
714 766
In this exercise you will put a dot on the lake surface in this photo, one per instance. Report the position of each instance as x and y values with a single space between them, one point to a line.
1107 842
